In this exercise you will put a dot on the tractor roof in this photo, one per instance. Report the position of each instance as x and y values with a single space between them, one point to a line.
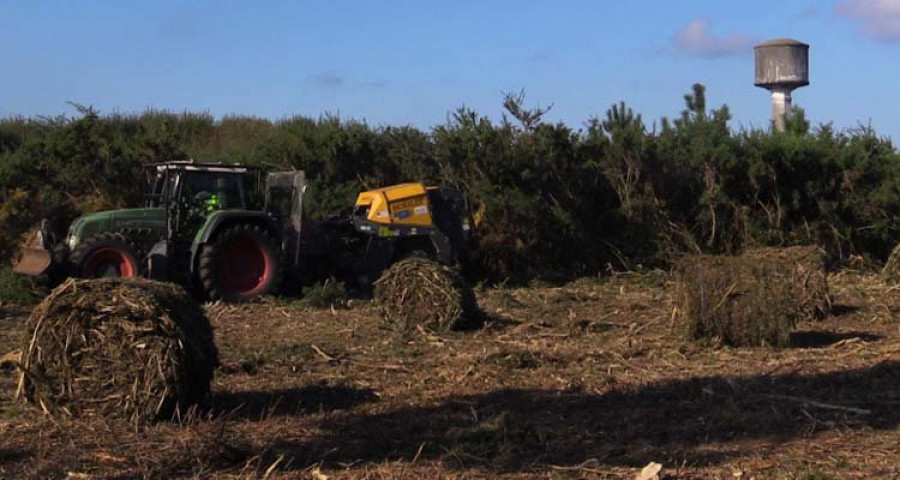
194 166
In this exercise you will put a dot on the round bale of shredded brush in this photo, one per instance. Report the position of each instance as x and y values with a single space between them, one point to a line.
420 292
129 349
805 267
735 300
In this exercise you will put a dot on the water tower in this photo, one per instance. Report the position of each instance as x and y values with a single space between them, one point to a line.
782 65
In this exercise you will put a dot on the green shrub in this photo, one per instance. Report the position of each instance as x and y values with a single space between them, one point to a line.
329 293
16 289
550 201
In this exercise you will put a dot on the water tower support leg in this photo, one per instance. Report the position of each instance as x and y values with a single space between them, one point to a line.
781 107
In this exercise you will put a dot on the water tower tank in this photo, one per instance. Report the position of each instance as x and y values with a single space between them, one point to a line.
782 65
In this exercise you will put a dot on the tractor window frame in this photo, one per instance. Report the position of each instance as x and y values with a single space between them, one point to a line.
234 180
162 190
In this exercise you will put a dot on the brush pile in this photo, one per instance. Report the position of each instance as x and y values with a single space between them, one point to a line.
805 266
128 349
737 301
419 292
891 271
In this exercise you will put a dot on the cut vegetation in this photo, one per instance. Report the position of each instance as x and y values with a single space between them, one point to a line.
417 292
129 349
593 379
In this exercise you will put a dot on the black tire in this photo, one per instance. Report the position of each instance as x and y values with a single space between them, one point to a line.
60 268
417 253
242 262
105 255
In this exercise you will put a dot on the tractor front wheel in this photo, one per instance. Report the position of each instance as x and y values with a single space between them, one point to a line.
104 255
242 263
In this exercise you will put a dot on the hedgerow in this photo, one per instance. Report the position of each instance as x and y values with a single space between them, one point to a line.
550 201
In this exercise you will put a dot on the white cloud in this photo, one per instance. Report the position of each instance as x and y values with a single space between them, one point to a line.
326 80
694 39
878 19
332 81
870 8
811 11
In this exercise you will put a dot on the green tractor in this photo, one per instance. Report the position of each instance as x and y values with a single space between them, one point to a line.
232 233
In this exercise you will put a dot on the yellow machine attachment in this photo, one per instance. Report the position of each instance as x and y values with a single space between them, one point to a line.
405 204
411 217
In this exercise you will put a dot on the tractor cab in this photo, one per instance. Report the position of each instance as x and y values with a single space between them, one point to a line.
203 203
226 187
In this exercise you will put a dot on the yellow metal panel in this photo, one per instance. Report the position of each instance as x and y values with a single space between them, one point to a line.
411 211
365 199
403 190
378 207
402 204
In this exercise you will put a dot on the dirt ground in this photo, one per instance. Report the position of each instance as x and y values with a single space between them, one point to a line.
588 380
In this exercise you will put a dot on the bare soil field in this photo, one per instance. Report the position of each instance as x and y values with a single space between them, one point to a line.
589 380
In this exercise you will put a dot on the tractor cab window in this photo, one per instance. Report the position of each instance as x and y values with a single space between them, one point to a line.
224 190
163 186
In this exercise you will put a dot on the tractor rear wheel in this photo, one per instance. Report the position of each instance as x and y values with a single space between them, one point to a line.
242 263
104 255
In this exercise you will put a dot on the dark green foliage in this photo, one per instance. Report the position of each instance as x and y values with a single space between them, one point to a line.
15 289
550 202
330 293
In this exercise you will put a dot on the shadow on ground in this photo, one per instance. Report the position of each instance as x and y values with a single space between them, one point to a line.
698 420
820 339
701 421
257 405
840 310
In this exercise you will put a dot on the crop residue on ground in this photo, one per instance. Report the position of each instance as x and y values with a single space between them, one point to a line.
593 379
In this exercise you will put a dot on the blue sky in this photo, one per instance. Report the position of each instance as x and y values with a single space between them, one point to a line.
413 62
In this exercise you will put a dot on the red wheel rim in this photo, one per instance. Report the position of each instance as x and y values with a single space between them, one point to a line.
244 266
108 262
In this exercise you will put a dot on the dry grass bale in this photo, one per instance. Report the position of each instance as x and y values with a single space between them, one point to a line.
129 349
418 291
805 265
738 301
891 271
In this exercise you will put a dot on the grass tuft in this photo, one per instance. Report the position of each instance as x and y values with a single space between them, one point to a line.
16 289
330 293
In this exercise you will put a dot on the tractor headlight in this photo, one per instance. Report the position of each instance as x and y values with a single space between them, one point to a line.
72 236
